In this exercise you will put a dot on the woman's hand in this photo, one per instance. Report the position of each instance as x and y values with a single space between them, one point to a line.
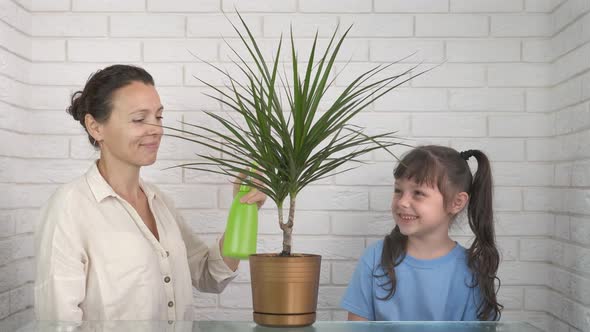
254 196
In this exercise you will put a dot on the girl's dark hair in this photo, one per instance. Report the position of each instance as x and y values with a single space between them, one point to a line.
448 170
96 97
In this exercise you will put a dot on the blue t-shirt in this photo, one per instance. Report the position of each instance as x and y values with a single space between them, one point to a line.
427 290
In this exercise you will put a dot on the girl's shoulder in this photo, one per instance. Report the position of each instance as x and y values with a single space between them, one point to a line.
372 254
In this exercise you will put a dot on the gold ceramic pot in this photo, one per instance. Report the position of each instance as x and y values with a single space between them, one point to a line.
285 289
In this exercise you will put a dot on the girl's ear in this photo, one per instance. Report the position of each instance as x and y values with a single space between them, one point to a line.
459 202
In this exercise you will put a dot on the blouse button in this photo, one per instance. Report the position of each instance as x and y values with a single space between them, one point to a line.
167 279
171 304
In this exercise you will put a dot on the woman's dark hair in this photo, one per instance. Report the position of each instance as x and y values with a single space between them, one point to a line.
448 170
96 97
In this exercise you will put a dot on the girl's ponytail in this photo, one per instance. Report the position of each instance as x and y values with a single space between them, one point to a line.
483 257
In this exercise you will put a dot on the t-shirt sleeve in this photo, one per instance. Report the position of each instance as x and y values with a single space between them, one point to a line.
358 298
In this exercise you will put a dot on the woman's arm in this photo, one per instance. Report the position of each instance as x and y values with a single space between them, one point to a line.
353 317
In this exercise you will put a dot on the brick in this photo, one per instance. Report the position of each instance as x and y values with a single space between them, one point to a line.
574 286
487 99
217 26
204 300
304 26
391 50
49 97
521 223
523 75
523 174
180 50
537 50
306 222
183 6
567 13
508 249
329 297
18 68
563 175
43 6
188 99
245 6
78 25
14 41
380 198
61 73
28 170
535 250
185 196
33 146
25 195
104 51
486 6
333 198
362 223
21 298
4 305
372 174
572 119
343 6
236 296
415 99
26 220
561 227
342 272
571 64
378 25
521 125
16 16
147 26
581 174
222 314
507 199
512 298
542 199
452 75
108 6
449 125
13 92
559 306
521 26
542 6
418 6
483 51
519 273
439 25
497 149
48 50
165 74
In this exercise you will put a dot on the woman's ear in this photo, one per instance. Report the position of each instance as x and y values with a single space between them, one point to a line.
94 128
459 201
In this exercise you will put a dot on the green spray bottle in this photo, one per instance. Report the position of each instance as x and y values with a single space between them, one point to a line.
242 227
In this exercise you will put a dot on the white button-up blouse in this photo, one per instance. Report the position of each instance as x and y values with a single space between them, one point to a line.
97 260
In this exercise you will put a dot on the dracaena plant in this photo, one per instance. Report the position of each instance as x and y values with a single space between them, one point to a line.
284 146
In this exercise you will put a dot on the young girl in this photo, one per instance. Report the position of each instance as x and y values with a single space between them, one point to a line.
418 272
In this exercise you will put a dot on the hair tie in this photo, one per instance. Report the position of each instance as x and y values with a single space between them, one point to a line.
467 154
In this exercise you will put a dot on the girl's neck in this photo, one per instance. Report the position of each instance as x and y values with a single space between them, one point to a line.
429 248
122 177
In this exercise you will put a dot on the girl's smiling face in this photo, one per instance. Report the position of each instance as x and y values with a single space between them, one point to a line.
419 210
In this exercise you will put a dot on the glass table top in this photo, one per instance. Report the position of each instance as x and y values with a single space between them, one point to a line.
320 326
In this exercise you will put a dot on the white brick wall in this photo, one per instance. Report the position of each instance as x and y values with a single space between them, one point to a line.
514 82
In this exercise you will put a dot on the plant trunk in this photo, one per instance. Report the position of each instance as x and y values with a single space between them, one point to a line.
287 227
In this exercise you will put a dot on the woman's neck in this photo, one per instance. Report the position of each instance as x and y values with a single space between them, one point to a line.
122 177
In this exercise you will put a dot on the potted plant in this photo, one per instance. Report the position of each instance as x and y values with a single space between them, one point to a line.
283 147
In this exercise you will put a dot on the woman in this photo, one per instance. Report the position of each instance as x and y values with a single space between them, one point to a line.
110 246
